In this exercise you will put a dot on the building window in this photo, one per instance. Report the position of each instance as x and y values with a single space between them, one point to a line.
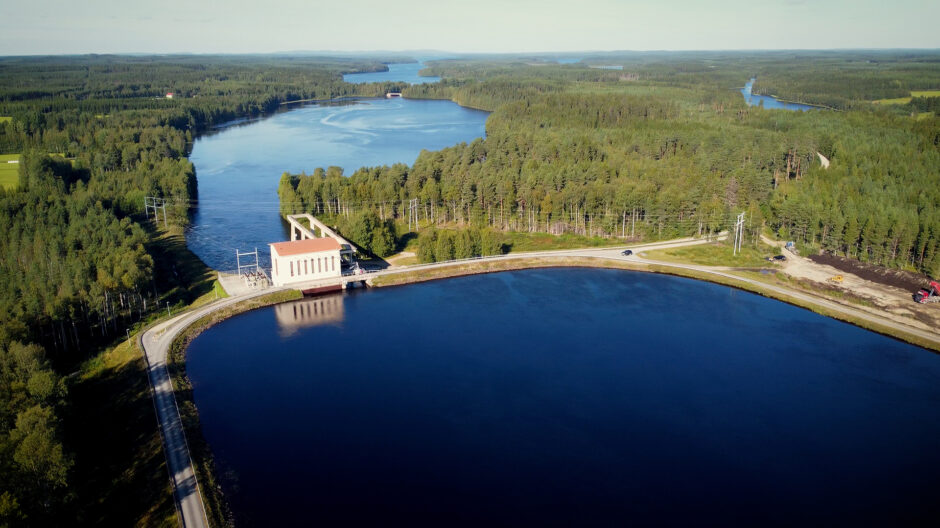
292 268
306 270
319 264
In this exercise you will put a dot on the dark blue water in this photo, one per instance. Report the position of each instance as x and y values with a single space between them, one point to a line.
566 397
238 169
402 72
769 102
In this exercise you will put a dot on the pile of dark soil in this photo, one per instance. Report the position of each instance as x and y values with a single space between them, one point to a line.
906 280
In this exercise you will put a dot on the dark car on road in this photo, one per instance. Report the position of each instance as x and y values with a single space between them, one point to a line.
627 253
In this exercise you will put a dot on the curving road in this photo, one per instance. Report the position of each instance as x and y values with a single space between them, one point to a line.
156 341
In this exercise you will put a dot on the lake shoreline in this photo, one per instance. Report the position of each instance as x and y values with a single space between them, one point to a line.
203 458
522 263
536 263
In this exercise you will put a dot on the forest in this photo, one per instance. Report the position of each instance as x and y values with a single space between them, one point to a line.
664 147
668 149
78 259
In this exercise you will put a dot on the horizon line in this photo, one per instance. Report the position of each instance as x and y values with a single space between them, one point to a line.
367 53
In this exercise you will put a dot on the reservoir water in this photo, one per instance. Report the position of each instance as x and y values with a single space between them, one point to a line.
397 72
239 167
770 102
565 397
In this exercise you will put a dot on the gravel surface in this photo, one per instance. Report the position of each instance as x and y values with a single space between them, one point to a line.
904 280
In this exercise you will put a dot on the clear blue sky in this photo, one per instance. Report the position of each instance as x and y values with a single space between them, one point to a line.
236 26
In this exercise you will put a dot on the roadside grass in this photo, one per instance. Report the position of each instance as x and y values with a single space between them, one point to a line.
120 476
716 254
9 172
181 276
493 266
110 421
518 241
515 241
217 509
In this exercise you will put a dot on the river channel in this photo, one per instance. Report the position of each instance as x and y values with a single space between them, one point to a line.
565 397
238 167
771 103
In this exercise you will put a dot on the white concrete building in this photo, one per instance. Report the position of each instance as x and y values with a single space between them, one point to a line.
305 261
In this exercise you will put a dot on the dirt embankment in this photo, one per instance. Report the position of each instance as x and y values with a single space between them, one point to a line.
904 280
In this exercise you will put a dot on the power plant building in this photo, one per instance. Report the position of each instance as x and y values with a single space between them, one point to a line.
306 260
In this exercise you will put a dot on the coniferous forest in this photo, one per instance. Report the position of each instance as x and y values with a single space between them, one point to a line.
664 150
665 147
78 260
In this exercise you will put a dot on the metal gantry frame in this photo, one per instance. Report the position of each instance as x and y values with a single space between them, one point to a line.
154 202
247 267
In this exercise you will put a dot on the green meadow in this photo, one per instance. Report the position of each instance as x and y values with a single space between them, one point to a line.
9 172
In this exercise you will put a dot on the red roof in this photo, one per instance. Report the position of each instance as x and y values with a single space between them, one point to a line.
310 245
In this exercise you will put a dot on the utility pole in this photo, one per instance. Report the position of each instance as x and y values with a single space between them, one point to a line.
413 213
738 233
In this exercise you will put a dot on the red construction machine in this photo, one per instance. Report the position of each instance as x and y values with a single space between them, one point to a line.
929 294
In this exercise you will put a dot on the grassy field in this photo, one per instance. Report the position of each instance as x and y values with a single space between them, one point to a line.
9 172
716 254
905 100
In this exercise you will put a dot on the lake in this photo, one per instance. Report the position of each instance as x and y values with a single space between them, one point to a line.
565 397
397 72
238 167
770 102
